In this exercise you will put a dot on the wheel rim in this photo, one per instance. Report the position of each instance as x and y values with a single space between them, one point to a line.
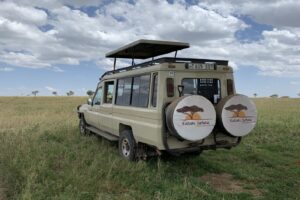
82 129
125 147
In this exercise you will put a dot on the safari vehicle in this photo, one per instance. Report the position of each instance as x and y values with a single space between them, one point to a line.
169 104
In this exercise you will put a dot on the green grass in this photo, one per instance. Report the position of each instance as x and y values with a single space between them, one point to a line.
43 156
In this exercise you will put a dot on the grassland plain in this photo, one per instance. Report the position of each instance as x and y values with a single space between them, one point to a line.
43 156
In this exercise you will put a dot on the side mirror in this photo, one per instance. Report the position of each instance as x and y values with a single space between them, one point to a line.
89 101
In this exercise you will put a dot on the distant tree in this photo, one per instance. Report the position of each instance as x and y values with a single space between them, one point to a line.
35 92
255 95
90 92
274 96
54 93
298 94
70 93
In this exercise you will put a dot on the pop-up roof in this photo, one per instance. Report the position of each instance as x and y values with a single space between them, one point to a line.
143 49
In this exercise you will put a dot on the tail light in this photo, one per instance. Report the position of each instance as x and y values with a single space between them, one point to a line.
170 87
230 87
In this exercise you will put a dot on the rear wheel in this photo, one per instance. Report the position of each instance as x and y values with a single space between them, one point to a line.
195 153
127 145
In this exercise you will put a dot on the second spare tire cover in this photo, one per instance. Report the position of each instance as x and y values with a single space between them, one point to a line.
191 117
237 114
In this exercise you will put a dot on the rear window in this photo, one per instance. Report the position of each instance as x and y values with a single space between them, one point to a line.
207 87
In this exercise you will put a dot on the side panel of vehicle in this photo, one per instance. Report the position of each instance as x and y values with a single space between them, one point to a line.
145 122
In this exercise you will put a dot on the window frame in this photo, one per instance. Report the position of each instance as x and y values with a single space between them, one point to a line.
105 91
154 75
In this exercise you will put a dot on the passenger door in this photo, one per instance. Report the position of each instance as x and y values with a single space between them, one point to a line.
106 120
93 114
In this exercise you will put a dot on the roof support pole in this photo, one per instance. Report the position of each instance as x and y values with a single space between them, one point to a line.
175 54
115 60
132 56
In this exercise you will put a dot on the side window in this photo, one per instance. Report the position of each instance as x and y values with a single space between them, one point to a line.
133 91
98 97
140 91
154 90
124 91
108 92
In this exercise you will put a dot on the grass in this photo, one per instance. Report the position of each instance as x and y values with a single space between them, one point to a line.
43 156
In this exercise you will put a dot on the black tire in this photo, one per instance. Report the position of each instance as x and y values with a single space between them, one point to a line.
195 153
127 145
82 127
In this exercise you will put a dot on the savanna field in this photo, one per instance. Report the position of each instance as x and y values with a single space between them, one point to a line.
43 156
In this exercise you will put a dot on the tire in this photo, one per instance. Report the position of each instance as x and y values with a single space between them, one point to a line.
195 153
82 126
127 145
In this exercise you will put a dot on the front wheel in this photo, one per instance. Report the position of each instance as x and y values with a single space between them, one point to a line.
127 145
82 126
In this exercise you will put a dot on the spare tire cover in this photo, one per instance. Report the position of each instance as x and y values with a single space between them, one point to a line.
238 114
191 117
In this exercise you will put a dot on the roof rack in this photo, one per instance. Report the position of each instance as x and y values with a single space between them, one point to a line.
143 49
165 60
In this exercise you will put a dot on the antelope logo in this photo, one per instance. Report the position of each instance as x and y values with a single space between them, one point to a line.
238 111
191 112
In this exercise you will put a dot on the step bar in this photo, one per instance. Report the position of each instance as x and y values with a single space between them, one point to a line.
102 133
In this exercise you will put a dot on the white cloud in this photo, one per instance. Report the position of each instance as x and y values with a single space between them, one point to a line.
279 13
51 89
24 14
295 82
107 64
6 69
57 69
209 27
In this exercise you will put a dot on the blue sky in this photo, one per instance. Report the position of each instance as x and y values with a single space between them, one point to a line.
58 46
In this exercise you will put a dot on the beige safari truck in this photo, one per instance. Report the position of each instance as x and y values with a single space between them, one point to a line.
169 104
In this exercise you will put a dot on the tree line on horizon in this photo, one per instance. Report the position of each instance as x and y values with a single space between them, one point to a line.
275 96
55 93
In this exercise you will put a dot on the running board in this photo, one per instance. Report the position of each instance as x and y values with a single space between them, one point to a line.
103 134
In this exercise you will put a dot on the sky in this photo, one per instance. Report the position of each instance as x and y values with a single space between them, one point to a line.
60 45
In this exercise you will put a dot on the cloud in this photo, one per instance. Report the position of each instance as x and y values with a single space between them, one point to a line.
57 69
6 69
51 89
24 14
295 82
210 27
278 13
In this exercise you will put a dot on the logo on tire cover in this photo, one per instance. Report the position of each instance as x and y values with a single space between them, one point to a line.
239 113
192 116
238 110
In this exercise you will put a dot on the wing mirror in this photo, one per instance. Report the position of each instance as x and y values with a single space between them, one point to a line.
89 101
